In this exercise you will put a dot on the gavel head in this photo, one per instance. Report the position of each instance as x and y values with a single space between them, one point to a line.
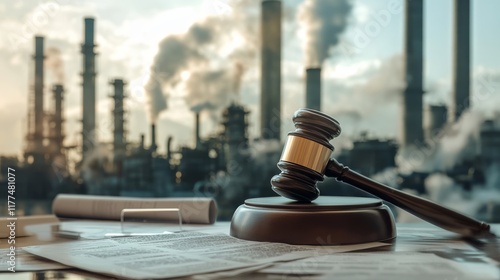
305 155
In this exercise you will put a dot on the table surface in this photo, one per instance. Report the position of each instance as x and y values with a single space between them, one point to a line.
407 235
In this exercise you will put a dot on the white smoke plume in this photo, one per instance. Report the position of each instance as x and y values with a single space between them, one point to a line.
175 54
387 82
265 153
239 71
449 148
97 163
350 115
208 89
443 189
155 98
439 186
322 22
459 143
206 53
378 87
55 64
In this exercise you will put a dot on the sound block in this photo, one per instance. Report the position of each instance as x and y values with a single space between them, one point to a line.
327 220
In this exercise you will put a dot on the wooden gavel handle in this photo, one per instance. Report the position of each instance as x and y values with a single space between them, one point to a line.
425 209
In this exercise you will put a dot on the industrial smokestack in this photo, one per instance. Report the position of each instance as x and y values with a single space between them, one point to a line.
153 138
461 67
412 111
313 88
119 139
169 148
142 142
38 100
270 103
197 130
57 135
88 75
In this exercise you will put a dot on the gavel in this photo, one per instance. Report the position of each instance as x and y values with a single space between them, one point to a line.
306 160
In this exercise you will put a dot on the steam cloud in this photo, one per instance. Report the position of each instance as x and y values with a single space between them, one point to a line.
322 22
456 144
388 81
208 89
239 70
97 161
377 86
175 54
199 53
54 63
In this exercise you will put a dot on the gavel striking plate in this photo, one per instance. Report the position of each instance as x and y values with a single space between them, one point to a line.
325 221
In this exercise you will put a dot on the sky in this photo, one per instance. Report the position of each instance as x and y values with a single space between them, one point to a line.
355 79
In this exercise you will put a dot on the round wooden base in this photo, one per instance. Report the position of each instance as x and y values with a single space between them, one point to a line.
325 221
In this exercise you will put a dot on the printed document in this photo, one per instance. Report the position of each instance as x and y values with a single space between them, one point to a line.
173 255
167 255
383 265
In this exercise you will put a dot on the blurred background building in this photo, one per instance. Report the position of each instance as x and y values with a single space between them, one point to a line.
444 151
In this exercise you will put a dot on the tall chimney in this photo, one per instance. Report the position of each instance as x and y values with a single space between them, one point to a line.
38 101
88 75
57 135
270 103
119 139
169 148
142 142
153 138
197 130
412 110
313 88
461 67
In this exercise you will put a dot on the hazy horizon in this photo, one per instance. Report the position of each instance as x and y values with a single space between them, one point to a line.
357 85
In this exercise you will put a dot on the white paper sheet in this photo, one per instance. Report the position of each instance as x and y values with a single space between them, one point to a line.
163 256
172 255
99 229
318 251
26 262
382 265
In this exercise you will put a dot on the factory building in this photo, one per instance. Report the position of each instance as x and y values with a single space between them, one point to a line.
370 156
235 121
436 117
490 142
